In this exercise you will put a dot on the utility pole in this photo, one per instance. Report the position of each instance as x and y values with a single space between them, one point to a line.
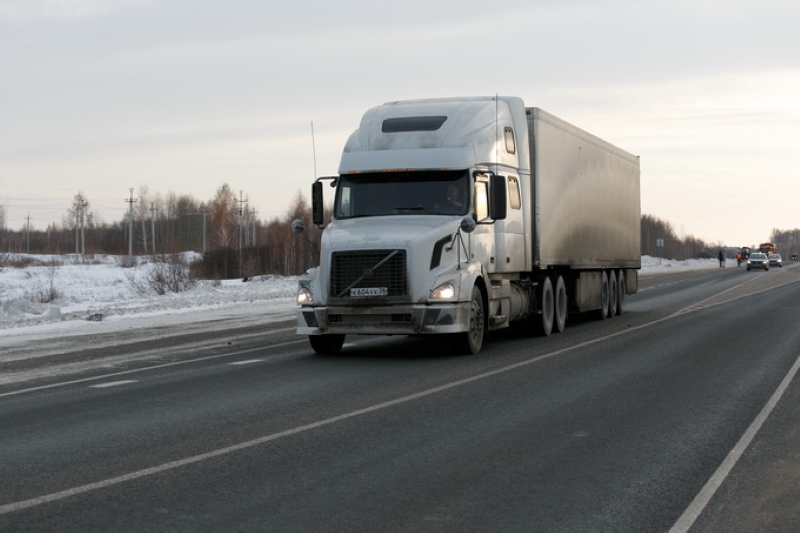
81 204
28 233
253 220
241 203
130 201
83 241
153 226
169 227
77 232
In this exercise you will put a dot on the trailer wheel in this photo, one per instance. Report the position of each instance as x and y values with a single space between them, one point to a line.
560 300
613 295
544 321
327 344
602 313
470 342
622 292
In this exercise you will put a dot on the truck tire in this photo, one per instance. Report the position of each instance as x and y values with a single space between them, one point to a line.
560 300
602 313
543 322
470 342
622 292
327 344
613 293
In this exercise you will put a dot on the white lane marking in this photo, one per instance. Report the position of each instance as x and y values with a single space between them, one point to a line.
113 384
248 362
700 501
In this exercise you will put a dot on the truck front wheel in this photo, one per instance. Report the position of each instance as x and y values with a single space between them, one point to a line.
327 344
470 342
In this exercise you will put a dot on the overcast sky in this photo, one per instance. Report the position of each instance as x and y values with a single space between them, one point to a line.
100 96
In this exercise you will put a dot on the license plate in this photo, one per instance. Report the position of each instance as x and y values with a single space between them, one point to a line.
367 292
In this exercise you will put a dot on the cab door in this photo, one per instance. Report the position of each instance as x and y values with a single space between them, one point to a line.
509 235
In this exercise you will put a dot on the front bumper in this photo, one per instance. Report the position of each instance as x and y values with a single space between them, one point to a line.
415 319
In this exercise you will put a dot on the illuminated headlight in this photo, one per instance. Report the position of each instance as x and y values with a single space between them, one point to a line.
305 296
445 291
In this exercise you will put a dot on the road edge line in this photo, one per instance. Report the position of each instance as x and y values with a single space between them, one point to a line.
696 507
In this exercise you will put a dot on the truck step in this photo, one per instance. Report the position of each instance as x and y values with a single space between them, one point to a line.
498 319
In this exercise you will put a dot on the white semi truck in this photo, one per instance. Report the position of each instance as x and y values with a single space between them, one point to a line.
459 216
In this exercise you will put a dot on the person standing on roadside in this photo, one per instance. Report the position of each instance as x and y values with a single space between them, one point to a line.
721 258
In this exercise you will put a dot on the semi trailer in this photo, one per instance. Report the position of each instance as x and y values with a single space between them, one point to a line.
461 216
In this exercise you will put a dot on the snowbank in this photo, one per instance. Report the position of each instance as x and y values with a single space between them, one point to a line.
103 290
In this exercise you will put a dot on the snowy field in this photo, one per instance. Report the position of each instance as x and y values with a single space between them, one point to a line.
47 297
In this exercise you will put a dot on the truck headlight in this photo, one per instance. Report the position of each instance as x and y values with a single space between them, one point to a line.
305 296
445 291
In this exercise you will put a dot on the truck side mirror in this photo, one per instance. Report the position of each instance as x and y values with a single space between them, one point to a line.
317 203
498 197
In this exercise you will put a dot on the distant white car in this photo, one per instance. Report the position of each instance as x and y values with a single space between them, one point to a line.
758 260
775 260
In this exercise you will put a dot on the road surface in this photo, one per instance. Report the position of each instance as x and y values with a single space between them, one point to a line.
682 414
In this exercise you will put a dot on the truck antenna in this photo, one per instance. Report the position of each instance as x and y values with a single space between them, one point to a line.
314 149
496 132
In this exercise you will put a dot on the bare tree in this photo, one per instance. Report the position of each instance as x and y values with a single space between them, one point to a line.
80 218
222 215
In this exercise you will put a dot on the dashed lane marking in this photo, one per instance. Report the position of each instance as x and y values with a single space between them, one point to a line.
113 384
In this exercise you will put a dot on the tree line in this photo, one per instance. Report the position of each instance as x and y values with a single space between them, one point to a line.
786 241
656 231
660 240
230 236
235 242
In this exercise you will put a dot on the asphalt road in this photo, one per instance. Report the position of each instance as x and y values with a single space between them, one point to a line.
682 414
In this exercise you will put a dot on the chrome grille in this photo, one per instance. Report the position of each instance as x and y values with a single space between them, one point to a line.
363 269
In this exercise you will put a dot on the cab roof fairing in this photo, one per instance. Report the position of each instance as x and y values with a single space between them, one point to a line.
471 136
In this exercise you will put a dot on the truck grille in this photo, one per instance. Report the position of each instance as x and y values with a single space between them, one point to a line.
360 269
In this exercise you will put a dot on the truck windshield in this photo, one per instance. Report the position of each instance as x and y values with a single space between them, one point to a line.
403 193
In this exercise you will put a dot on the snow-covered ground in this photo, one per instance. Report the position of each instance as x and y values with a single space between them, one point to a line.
63 299
102 289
